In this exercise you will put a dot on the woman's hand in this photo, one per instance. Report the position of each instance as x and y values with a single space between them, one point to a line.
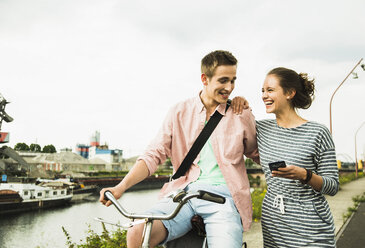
299 173
291 172
238 104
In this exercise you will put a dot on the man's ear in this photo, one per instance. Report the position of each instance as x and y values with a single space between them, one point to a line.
204 79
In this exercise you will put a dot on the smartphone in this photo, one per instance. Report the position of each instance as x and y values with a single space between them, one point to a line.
275 165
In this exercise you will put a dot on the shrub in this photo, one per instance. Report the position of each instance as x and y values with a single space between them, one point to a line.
116 239
94 240
345 178
257 197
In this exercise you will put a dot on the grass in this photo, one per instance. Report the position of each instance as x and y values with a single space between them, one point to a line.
357 200
348 177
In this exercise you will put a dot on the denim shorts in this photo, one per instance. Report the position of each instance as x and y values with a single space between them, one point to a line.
222 221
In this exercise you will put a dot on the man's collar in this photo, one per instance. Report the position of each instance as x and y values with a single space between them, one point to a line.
199 103
221 107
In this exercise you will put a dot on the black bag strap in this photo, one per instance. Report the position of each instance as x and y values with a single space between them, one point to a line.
199 143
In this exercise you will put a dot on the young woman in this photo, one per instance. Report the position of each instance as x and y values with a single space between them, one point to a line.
295 212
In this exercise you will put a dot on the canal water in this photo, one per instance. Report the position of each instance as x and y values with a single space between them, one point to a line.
43 228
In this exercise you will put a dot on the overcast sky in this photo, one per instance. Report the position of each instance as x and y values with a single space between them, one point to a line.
71 67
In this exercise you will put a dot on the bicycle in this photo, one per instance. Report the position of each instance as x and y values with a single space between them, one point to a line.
181 197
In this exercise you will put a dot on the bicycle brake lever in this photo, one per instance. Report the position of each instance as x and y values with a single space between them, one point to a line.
179 196
123 226
111 223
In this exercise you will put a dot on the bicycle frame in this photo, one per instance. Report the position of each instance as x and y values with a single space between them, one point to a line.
181 197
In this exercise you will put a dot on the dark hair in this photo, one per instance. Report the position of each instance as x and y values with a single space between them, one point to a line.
290 80
214 59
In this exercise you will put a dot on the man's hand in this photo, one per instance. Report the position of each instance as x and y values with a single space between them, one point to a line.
138 173
238 104
115 191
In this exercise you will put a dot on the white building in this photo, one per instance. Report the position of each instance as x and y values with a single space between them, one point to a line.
109 156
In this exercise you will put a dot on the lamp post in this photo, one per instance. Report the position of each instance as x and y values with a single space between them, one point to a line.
337 90
356 165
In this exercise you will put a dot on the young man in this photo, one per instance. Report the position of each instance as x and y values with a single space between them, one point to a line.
219 168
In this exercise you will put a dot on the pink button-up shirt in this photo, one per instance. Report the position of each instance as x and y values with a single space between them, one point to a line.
234 137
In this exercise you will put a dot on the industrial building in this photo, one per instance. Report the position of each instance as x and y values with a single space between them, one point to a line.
100 152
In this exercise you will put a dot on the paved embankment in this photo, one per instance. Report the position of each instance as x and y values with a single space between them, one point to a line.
353 233
338 204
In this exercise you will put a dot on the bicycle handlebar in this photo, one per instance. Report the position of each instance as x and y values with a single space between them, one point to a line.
208 196
181 198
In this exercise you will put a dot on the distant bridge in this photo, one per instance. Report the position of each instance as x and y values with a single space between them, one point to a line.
345 158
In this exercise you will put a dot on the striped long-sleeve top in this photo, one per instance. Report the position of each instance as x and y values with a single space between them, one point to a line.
294 214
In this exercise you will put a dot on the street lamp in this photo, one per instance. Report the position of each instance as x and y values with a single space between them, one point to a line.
362 66
356 165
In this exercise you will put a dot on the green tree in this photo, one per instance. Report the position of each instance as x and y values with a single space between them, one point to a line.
21 147
49 149
3 156
35 148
